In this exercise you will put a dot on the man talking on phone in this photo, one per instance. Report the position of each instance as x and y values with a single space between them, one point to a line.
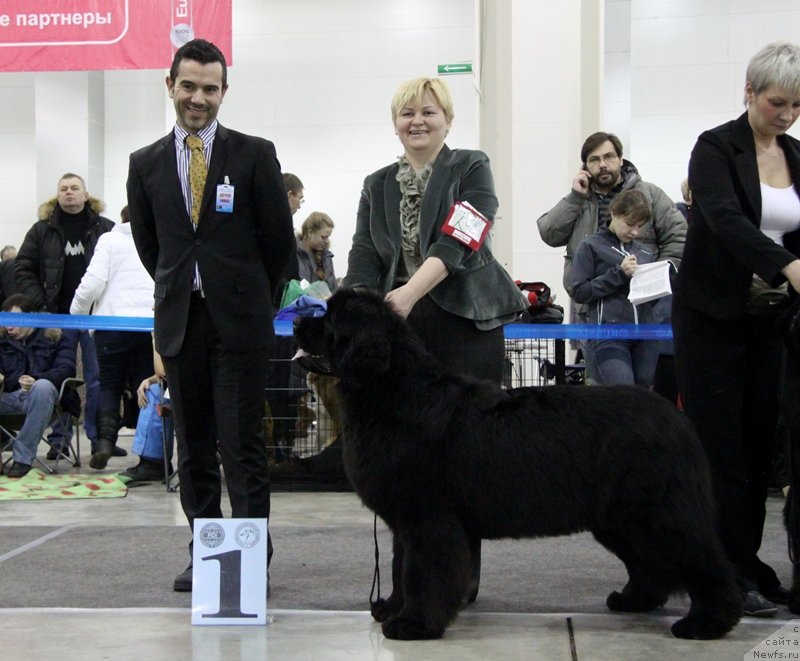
603 174
584 210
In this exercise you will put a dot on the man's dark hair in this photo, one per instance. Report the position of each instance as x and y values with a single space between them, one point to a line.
125 214
201 51
292 183
21 301
595 140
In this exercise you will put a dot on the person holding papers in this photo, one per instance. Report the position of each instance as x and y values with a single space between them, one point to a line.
422 240
739 268
602 269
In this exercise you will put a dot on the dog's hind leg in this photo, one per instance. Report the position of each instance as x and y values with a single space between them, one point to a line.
716 598
436 577
383 609
647 587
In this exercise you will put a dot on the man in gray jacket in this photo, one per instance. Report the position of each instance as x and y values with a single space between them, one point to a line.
584 210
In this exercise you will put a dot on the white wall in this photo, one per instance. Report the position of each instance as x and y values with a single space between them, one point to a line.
316 77
17 155
687 68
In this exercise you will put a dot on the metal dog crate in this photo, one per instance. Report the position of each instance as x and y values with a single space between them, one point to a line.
297 423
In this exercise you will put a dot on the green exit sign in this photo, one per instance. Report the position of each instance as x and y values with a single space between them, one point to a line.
450 69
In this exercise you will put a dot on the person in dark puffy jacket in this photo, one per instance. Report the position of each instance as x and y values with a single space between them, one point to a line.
34 363
49 266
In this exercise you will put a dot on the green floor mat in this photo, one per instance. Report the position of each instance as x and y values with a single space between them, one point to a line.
37 485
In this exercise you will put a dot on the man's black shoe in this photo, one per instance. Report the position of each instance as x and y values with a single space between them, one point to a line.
755 605
146 471
101 454
18 470
183 581
119 452
52 453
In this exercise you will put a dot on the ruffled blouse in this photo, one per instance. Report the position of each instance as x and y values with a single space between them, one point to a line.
412 187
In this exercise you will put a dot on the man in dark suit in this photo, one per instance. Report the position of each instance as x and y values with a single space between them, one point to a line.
216 258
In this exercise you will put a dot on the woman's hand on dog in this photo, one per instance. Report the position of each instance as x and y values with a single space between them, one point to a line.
430 274
792 273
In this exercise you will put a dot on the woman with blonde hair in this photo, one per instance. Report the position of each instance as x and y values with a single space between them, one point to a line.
314 258
422 240
740 265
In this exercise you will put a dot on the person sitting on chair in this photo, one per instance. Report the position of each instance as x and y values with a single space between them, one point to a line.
34 362
148 441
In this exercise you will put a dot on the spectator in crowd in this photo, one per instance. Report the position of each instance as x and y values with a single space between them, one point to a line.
685 206
50 264
8 280
34 363
600 278
217 260
451 289
742 247
315 261
603 174
116 285
148 441
284 375
294 190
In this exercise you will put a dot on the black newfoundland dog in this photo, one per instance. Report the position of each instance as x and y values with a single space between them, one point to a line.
445 459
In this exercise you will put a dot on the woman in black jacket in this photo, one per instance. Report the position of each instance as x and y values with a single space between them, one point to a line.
742 245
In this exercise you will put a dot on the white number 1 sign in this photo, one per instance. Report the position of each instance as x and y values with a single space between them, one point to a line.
229 577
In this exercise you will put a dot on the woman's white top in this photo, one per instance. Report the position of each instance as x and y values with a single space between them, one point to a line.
780 211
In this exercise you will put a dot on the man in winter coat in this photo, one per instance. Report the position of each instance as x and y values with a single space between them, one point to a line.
34 362
585 209
49 267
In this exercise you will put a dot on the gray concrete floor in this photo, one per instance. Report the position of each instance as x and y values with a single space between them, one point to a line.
157 633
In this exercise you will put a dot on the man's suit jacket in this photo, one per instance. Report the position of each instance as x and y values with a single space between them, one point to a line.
724 244
241 256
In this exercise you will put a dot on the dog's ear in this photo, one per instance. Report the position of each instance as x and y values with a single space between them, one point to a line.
361 356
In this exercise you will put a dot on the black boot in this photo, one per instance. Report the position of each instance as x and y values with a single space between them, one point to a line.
107 429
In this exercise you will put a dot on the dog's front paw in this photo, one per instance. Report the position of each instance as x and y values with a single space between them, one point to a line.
383 609
622 602
402 628
695 629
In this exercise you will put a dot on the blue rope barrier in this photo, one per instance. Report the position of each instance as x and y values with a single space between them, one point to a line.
284 327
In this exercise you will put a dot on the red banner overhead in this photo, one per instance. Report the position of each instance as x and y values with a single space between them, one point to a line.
82 35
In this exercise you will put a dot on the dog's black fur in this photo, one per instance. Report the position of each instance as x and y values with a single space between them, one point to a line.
445 460
789 323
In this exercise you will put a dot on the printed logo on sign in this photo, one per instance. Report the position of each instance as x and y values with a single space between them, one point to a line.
247 535
783 644
212 535
181 34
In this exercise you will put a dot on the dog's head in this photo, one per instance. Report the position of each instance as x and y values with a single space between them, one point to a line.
354 336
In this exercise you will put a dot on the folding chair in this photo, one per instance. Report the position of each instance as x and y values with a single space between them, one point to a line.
67 416
164 410
11 424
